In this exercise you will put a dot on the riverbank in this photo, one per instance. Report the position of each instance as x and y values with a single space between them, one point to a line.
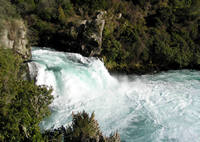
130 36
135 106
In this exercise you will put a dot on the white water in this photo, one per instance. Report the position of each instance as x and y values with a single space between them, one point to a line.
150 108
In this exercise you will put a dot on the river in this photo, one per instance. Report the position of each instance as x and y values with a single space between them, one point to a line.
164 107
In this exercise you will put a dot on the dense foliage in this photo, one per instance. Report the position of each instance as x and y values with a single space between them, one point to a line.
84 128
150 35
139 36
7 10
22 104
154 35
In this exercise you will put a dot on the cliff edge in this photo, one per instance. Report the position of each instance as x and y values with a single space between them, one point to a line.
13 36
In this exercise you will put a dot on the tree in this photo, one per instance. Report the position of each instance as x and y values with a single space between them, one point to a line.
61 15
84 128
22 103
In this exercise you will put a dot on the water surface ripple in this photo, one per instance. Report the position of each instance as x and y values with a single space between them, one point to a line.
151 108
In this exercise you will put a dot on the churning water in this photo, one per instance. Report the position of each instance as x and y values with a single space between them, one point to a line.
151 108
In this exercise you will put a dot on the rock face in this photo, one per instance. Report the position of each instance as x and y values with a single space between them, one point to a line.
89 35
13 36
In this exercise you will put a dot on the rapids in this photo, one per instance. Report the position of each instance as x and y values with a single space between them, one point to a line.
164 107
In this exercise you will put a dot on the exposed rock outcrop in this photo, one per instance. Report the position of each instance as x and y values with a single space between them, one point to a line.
87 35
90 35
13 36
33 71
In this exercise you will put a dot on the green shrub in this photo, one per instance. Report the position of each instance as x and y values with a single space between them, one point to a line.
7 10
24 6
83 128
22 104
61 15
92 5
128 40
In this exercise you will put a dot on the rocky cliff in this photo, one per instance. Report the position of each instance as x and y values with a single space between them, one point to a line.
83 36
90 35
13 36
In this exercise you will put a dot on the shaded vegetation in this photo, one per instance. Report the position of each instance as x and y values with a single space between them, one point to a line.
153 35
84 128
22 104
148 36
139 36
7 10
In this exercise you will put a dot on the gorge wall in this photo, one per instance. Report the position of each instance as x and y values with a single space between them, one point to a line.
14 36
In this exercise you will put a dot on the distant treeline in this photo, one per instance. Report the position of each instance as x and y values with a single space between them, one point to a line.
151 34
140 36
23 104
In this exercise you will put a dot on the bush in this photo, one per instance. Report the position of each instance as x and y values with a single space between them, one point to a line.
92 5
24 6
84 128
22 104
7 10
128 40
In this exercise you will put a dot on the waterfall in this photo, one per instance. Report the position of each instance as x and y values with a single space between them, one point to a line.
150 108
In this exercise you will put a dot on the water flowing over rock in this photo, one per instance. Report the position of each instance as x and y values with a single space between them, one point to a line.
148 108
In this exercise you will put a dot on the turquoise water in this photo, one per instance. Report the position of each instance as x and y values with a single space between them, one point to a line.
151 108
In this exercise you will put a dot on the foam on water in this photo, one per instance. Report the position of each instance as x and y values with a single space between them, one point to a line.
149 108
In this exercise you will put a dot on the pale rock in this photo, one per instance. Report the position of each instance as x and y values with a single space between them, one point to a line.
13 36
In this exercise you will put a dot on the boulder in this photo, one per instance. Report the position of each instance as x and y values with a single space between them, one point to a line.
89 35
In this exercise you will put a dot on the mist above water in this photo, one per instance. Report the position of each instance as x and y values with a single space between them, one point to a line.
151 108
